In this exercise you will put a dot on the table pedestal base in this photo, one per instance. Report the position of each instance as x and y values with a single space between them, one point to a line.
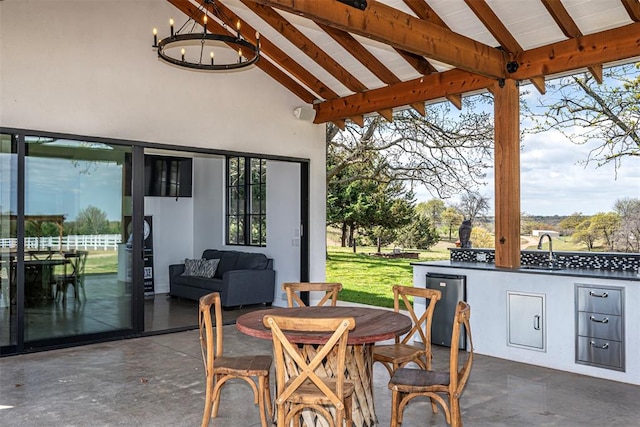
359 365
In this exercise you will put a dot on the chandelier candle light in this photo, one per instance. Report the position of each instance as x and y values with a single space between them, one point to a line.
186 47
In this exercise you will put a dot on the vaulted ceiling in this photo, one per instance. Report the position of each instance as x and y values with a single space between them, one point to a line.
350 62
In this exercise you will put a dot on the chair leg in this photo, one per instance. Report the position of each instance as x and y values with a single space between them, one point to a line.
267 392
280 415
261 401
208 403
456 418
395 405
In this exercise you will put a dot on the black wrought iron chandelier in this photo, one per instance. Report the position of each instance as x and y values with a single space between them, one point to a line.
194 46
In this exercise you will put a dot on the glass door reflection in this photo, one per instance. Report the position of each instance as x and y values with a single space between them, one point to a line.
73 222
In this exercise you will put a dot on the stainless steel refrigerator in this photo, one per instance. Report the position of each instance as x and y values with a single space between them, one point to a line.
454 289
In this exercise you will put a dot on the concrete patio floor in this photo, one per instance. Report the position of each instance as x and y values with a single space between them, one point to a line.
159 381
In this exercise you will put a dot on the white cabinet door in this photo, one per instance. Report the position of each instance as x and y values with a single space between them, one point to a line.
526 320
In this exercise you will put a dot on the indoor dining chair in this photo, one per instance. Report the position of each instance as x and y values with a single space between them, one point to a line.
409 383
299 384
403 351
73 275
219 368
331 291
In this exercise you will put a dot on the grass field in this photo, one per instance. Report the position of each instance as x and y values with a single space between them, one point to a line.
368 279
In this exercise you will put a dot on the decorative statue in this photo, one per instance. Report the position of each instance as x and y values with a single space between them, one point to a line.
464 233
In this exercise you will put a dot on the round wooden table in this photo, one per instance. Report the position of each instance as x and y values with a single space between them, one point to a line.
372 325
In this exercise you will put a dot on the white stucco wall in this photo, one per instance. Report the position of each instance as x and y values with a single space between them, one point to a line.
87 68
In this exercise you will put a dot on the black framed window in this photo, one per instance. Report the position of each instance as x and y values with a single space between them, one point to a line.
246 212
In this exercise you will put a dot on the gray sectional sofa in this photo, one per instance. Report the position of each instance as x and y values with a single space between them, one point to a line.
241 278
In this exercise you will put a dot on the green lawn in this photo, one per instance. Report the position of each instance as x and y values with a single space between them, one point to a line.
368 279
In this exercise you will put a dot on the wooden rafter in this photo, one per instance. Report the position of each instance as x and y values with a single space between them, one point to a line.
495 26
425 12
302 42
633 9
358 51
568 27
403 31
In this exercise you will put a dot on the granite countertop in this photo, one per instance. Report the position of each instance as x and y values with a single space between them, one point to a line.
573 272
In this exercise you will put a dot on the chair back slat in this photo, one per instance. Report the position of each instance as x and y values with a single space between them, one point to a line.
287 351
420 325
331 291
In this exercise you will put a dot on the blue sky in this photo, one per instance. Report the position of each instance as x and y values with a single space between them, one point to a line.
554 181
60 186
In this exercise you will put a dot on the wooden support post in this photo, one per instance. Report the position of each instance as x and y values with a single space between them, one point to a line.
507 173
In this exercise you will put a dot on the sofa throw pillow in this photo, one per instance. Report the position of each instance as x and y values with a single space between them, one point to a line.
191 267
208 268
200 267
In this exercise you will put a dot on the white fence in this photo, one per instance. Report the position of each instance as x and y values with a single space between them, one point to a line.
94 242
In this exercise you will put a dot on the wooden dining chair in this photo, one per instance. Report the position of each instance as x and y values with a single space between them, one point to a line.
298 385
403 351
220 369
73 275
409 383
331 291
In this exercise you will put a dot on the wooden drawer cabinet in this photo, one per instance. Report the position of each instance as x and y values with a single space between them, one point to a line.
600 326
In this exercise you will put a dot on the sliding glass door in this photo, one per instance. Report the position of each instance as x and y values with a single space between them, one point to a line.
8 241
77 269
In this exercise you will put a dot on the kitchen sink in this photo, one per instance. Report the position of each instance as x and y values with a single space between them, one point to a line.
540 267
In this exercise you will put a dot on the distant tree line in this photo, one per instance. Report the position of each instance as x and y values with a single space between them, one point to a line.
89 221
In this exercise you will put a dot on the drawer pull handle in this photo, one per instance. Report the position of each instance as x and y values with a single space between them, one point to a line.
603 346
602 295
604 319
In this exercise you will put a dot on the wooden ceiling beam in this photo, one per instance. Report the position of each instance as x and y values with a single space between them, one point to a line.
495 26
401 30
633 9
591 50
306 45
422 89
269 49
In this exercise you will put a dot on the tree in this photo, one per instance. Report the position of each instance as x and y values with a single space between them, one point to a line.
584 233
431 209
628 236
473 205
446 151
92 220
606 226
419 234
569 224
452 218
386 210
584 111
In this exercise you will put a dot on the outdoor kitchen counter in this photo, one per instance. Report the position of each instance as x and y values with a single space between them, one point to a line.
573 272
490 290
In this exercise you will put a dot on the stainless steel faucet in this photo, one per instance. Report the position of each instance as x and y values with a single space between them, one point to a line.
551 257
